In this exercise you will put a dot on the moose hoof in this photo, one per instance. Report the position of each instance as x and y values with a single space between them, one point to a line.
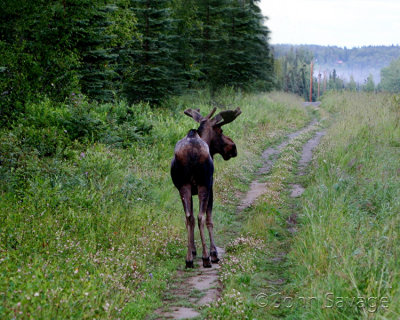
189 264
206 262
214 257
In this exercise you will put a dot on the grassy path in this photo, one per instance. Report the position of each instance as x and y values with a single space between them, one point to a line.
254 270
320 241
193 291
96 230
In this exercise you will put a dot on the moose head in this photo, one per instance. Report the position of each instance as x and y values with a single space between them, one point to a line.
211 132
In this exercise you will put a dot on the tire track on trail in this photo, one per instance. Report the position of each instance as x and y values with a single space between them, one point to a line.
306 157
278 279
270 155
193 289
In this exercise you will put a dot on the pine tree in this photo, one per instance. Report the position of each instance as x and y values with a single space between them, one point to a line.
184 14
233 44
37 54
98 62
153 74
352 86
209 41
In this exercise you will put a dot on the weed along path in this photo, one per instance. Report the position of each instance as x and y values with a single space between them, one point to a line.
193 291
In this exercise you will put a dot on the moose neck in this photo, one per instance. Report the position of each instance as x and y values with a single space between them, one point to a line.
206 135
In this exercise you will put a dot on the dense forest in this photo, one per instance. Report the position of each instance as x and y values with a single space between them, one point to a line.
356 62
138 50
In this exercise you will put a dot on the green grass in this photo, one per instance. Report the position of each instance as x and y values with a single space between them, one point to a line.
348 244
343 261
248 271
90 223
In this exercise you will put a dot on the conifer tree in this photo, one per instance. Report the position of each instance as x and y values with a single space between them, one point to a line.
184 14
209 41
98 62
234 48
153 73
256 62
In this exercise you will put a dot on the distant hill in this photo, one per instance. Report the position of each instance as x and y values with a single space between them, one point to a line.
359 62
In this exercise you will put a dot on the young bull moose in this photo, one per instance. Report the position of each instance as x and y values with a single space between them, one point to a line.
192 173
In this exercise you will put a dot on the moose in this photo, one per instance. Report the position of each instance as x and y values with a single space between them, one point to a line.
192 170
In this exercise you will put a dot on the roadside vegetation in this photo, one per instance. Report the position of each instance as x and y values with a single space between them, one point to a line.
339 260
91 225
346 252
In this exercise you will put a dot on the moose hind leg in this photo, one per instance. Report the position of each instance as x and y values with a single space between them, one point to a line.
186 196
210 225
192 225
203 202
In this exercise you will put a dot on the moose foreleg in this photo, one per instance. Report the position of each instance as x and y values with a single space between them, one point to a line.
203 202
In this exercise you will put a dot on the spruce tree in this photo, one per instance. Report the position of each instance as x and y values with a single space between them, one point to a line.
233 47
184 14
210 39
153 73
98 62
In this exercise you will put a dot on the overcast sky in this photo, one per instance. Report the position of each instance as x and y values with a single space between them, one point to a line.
349 23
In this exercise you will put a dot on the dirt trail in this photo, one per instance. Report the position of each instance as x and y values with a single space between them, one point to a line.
196 288
296 190
270 155
306 157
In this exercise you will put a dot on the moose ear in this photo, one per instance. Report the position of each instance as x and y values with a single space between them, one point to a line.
195 114
226 116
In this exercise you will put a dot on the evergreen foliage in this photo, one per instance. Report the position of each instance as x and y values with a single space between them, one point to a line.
209 41
246 56
293 73
97 68
142 50
391 77
153 71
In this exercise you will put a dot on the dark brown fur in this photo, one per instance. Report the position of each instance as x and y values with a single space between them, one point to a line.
192 172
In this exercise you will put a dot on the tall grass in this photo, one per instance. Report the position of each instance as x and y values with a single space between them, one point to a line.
90 223
346 255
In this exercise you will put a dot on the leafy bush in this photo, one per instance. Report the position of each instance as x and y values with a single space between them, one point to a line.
63 131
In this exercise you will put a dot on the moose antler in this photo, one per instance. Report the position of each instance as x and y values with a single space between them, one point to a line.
226 116
220 119
211 113
195 114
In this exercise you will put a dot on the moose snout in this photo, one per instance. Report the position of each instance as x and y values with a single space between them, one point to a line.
230 153
233 152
